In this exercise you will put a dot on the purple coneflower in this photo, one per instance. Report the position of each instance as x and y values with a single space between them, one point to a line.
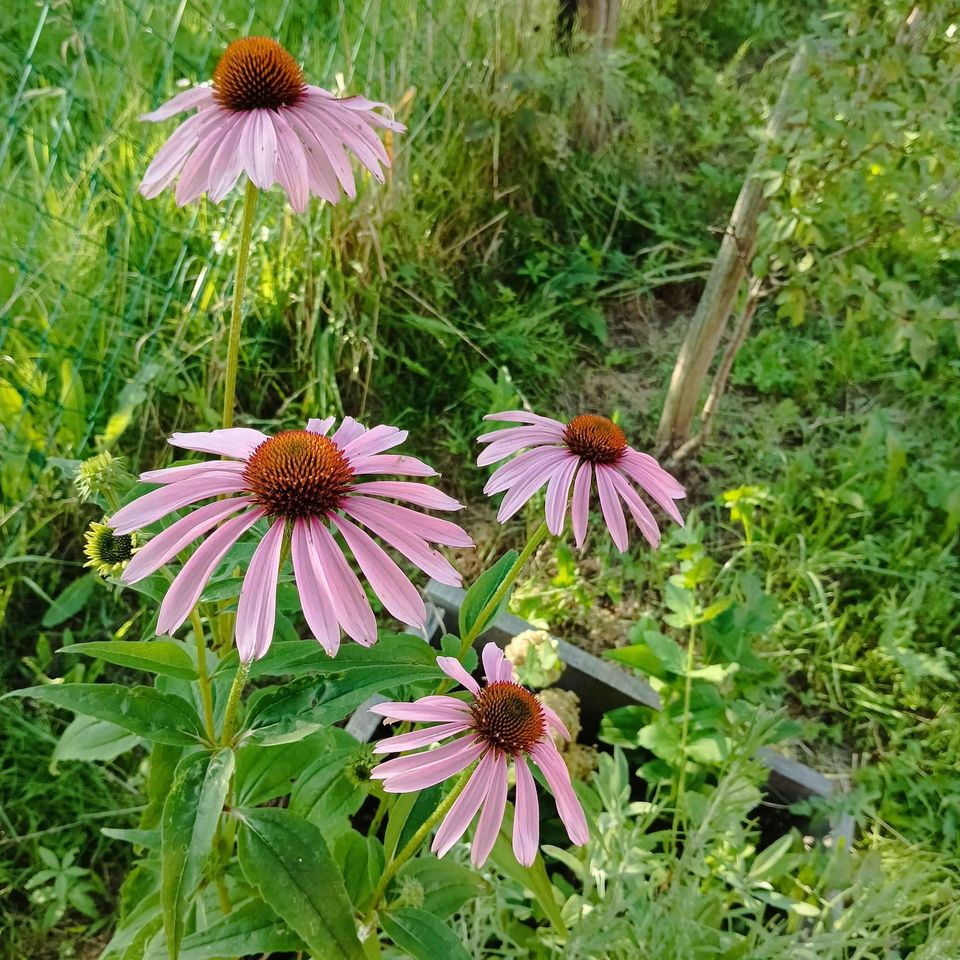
573 454
260 117
308 483
503 723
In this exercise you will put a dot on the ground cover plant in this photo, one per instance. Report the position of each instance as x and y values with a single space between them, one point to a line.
543 230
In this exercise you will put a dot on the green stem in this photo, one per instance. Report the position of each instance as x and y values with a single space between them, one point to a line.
233 701
493 604
684 731
206 694
411 848
233 344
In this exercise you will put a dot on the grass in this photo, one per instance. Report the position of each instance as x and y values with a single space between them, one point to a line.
544 235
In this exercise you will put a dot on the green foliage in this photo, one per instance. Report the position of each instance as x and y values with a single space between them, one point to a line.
286 859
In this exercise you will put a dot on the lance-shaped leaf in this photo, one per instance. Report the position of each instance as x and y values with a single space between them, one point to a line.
189 822
154 656
149 713
286 860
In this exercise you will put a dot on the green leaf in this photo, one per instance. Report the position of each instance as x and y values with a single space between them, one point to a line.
285 858
150 839
190 818
148 713
407 815
87 738
683 605
324 796
162 766
71 601
264 775
394 659
422 935
154 656
447 886
363 861
481 593
251 928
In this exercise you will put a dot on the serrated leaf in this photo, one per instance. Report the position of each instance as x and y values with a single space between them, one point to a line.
190 817
422 935
481 593
286 859
148 713
155 656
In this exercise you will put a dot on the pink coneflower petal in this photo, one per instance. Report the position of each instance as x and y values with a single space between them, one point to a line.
454 669
292 171
236 442
226 166
558 493
503 721
350 602
314 595
388 463
465 807
188 100
545 451
323 178
548 759
420 738
178 536
195 176
640 512
191 471
305 480
425 710
528 485
257 606
554 721
428 528
389 582
266 121
521 416
185 590
526 822
418 493
377 440
509 474
610 505
158 503
430 768
491 816
496 666
580 509
322 427
172 156
659 484
415 549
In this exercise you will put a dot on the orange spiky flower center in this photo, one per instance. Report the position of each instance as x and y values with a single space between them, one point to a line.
257 73
595 438
508 716
298 474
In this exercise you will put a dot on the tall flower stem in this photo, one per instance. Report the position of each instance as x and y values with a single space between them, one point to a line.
491 606
236 319
414 843
233 701
203 678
